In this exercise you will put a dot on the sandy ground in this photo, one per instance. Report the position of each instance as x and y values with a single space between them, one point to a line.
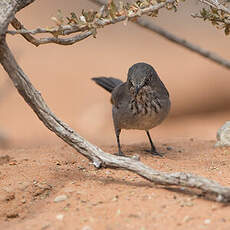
36 167
32 180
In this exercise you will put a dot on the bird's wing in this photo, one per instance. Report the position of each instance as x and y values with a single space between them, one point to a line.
119 95
108 83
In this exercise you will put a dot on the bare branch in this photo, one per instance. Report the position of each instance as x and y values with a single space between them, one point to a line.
173 38
216 4
87 28
216 13
93 153
18 26
61 41
23 3
8 10
65 41
182 42
20 29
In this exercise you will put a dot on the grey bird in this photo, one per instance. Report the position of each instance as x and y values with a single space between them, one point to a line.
142 102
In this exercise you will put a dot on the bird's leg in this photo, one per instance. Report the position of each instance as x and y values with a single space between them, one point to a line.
120 153
153 148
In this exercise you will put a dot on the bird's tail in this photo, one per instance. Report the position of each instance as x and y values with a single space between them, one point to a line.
108 83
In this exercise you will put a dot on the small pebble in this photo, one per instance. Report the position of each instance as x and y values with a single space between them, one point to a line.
207 221
46 226
60 198
136 157
118 212
169 148
115 198
12 215
60 217
223 137
187 219
86 228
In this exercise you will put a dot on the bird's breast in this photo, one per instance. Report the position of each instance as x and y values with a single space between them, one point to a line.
143 112
145 103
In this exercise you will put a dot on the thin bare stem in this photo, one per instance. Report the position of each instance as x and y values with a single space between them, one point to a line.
182 42
216 4
86 29
175 39
61 41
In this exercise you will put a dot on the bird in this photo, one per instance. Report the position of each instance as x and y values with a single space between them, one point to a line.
141 103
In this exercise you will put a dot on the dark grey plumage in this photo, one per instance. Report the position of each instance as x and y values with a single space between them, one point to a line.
142 102
108 83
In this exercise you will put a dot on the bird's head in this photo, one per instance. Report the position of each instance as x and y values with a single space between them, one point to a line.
139 76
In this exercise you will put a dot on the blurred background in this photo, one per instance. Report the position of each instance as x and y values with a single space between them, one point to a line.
199 88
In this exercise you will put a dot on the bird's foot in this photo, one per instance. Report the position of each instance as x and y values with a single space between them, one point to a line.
154 152
120 153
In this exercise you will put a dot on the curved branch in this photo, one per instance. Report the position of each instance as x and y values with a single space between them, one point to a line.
64 41
93 153
61 41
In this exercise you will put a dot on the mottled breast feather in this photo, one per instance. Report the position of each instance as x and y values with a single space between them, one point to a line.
146 103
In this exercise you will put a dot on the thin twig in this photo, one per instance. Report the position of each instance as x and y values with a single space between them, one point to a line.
18 26
86 29
65 41
182 42
216 4
61 41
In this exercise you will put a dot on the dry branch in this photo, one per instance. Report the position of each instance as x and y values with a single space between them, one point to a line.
61 41
182 42
216 13
216 4
85 29
175 39
93 153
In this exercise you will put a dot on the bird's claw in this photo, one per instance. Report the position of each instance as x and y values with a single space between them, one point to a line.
155 153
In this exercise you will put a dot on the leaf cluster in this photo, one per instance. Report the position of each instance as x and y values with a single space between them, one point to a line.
109 13
218 17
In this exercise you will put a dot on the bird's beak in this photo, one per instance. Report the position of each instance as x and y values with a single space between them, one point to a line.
137 89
